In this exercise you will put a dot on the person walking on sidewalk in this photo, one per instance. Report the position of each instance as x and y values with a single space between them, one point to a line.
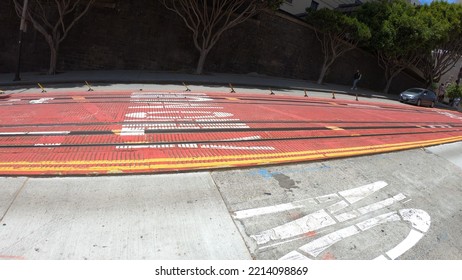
356 77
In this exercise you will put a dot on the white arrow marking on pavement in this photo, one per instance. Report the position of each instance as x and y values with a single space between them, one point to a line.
311 222
306 224
419 220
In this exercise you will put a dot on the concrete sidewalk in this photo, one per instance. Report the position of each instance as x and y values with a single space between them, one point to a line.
148 77
251 80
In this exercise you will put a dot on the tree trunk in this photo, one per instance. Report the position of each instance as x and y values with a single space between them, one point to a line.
387 86
390 75
201 62
323 73
53 59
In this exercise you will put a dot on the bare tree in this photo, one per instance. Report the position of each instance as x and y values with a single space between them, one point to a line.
53 19
337 34
445 46
209 19
442 60
394 64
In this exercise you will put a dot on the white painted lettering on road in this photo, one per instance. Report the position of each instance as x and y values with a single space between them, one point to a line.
40 101
172 108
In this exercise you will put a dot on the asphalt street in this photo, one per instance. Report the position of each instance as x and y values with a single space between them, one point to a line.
397 205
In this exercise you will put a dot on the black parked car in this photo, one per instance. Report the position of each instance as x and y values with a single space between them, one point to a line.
419 97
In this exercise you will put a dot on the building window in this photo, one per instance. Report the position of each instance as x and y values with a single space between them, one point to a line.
314 5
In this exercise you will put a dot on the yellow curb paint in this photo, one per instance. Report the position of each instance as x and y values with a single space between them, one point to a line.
258 156
147 166
232 98
114 171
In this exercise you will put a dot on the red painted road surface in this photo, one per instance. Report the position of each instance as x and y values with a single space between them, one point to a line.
147 132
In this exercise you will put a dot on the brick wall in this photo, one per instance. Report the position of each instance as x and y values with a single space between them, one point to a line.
142 34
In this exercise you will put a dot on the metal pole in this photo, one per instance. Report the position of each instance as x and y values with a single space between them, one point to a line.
22 30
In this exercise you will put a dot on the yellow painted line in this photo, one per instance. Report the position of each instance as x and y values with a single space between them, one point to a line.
232 98
219 164
116 131
273 155
78 98
151 164
334 128
156 166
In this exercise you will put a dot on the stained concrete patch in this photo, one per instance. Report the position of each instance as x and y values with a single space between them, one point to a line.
285 181
135 217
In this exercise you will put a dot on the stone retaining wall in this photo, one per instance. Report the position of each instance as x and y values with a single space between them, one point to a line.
142 34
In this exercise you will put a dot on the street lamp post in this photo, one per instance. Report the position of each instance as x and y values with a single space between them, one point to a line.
22 30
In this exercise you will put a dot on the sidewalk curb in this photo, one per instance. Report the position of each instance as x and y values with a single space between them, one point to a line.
45 82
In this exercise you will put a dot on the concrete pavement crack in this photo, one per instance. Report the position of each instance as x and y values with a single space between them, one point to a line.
14 199
235 222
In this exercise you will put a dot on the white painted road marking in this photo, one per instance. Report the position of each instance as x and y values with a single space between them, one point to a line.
40 101
306 224
195 146
163 112
349 195
152 115
419 220
243 214
36 133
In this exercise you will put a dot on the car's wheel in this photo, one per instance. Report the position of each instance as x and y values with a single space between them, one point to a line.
419 102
